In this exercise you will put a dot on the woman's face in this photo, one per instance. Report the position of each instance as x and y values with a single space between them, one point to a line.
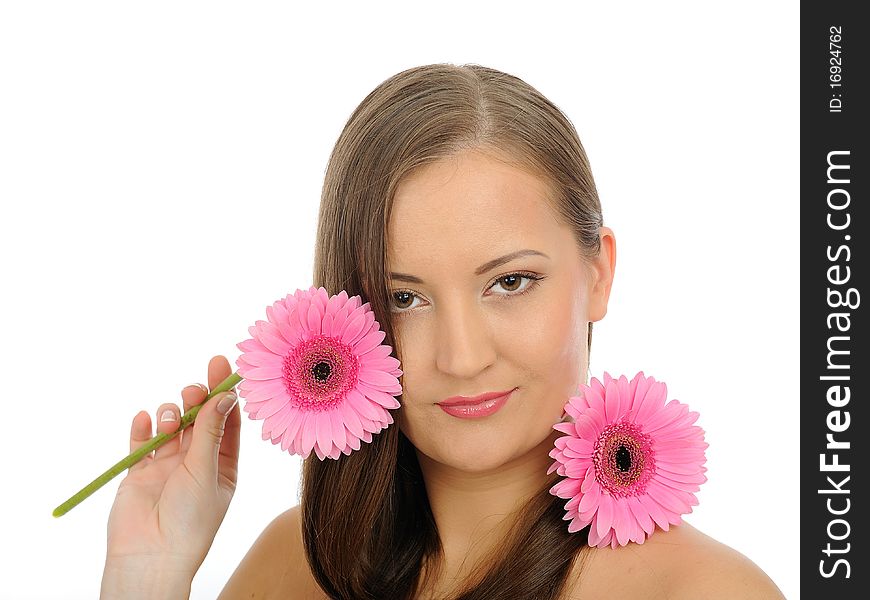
471 325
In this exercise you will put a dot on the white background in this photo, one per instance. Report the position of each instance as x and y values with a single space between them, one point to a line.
160 173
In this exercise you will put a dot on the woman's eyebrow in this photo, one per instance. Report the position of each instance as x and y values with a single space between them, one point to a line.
484 268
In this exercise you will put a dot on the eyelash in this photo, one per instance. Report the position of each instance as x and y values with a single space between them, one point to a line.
522 274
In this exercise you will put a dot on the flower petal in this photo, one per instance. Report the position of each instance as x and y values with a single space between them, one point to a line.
588 479
665 499
653 399
282 319
594 395
663 417
353 327
380 364
565 428
581 447
291 439
577 524
339 320
633 387
368 325
272 406
640 386
623 526
309 436
576 467
597 419
323 431
380 380
384 399
252 345
302 317
604 518
677 468
656 512
684 479
363 406
590 498
275 424
569 490
641 514
369 341
339 438
351 419
624 396
270 337
261 359
336 302
315 318
379 351
594 539
586 428
326 325
260 391
575 407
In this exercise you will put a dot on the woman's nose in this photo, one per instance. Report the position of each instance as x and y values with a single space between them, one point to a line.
464 344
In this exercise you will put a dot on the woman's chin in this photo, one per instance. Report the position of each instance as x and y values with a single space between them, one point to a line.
468 458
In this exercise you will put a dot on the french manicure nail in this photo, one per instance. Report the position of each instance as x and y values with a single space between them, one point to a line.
227 403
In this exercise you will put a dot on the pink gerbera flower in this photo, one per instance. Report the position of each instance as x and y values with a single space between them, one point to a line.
317 374
630 461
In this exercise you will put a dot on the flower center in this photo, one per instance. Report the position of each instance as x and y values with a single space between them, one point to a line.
623 458
319 372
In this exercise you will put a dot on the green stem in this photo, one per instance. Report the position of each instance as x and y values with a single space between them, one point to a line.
152 444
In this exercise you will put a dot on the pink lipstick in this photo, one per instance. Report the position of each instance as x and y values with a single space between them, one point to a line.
476 406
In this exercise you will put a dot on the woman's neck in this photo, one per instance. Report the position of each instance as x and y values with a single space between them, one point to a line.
473 511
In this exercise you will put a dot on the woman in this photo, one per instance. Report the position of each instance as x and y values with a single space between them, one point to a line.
458 201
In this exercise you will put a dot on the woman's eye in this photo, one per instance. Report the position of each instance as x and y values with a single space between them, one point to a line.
401 298
511 283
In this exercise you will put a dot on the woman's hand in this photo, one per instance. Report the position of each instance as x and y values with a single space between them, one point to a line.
170 505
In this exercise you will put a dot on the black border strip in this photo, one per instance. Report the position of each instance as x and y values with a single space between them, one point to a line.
835 367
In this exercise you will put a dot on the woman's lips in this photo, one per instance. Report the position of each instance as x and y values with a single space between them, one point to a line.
484 408
470 400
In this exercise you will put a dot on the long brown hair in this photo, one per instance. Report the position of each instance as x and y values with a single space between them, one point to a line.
368 528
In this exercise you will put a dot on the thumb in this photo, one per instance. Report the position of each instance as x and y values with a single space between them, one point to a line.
208 433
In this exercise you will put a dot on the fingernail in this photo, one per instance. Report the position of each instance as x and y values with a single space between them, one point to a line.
168 415
202 387
227 403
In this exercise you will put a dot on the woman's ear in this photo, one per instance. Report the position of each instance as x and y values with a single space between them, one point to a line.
603 268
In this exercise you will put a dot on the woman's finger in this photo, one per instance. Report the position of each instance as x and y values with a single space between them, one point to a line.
218 370
168 418
228 457
191 396
228 454
140 433
208 436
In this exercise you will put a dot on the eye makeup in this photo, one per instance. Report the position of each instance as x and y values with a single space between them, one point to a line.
533 277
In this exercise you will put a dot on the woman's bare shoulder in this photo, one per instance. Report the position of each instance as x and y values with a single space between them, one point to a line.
275 566
682 563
